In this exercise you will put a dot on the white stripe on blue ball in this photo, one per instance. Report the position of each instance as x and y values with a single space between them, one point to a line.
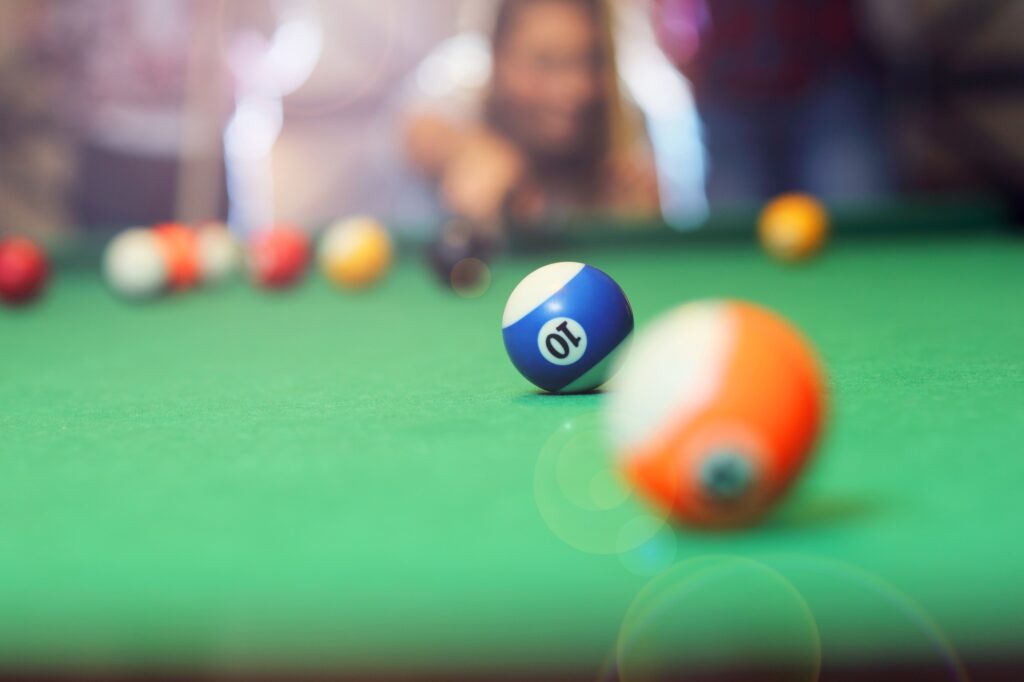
538 287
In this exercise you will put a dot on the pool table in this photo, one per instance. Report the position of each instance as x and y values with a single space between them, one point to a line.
238 483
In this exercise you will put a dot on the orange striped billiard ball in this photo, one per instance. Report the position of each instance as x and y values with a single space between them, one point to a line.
715 410
793 227
180 251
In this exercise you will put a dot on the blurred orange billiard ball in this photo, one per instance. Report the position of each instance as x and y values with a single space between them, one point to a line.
793 227
715 410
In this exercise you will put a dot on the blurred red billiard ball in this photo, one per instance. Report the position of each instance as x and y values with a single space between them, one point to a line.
23 270
279 256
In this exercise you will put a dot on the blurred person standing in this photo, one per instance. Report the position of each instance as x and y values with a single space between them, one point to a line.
150 97
957 74
146 98
36 162
549 136
789 93
129 97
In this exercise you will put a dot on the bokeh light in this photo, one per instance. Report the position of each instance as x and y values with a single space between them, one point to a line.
471 278
652 555
461 63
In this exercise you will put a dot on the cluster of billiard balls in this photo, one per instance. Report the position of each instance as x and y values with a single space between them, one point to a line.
714 408
144 263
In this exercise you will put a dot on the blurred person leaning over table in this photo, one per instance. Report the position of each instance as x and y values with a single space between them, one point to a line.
550 136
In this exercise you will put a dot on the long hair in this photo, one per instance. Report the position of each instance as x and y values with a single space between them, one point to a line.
609 117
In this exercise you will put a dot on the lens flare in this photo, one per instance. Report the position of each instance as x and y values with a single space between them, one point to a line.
715 617
582 497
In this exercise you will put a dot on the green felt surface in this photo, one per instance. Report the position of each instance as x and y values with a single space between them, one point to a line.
231 478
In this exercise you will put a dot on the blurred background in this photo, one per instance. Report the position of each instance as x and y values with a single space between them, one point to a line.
124 112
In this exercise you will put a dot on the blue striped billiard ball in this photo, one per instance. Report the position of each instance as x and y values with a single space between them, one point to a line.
562 325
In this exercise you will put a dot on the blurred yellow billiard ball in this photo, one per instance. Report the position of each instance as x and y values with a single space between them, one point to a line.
793 227
356 253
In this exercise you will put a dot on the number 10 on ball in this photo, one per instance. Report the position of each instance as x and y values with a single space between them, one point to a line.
563 324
